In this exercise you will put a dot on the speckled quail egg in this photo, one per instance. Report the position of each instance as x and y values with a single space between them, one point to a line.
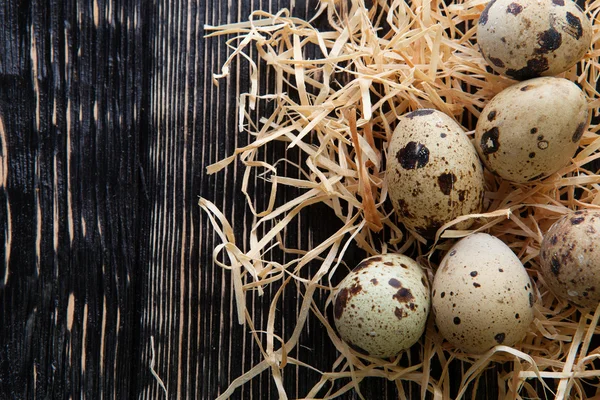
433 172
570 258
482 295
532 129
381 307
525 39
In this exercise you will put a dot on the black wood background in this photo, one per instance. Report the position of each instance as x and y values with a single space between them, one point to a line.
108 118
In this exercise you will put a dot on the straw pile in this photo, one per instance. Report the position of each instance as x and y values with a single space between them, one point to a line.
377 62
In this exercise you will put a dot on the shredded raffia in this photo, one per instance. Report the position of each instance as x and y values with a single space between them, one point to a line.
339 108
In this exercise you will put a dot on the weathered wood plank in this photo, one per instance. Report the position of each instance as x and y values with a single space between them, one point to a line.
70 102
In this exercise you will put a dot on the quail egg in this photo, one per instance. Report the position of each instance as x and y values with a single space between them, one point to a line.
524 39
531 129
433 172
381 307
482 295
570 258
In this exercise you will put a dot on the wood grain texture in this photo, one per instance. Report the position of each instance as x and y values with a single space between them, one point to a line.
108 117
70 99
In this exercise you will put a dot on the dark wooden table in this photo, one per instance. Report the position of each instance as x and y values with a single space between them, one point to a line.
108 118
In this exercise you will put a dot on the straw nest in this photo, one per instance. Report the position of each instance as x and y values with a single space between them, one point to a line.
374 63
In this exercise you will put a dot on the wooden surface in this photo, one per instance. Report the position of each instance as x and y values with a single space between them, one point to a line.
108 118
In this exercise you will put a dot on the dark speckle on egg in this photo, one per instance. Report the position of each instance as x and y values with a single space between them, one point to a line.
548 41
483 18
558 2
363 264
491 115
456 321
402 208
514 8
577 220
534 67
446 182
489 141
340 303
496 61
500 338
403 295
413 155
578 132
399 313
576 30
419 113
395 283
355 288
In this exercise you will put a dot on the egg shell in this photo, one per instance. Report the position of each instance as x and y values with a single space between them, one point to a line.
482 295
570 258
526 39
433 172
531 129
381 307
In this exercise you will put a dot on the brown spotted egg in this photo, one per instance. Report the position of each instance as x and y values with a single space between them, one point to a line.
532 129
570 258
381 307
482 295
433 172
525 39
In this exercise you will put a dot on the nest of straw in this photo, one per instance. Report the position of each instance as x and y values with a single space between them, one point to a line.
376 62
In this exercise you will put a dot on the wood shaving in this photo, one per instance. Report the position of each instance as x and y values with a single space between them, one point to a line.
373 64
